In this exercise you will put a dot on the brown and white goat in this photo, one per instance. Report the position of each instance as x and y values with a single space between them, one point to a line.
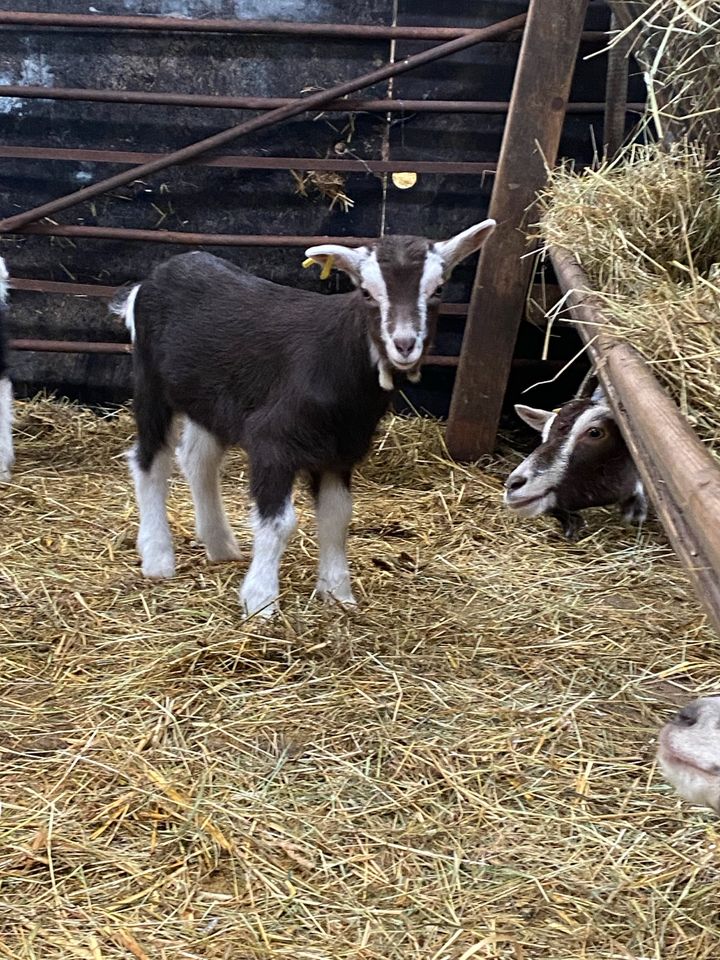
689 752
582 462
298 379
6 398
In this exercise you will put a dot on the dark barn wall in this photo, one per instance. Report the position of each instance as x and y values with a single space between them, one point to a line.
196 198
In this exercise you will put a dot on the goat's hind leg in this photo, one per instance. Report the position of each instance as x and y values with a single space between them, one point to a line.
7 457
333 510
151 465
200 457
273 521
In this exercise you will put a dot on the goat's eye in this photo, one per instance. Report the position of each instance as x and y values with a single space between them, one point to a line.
437 292
595 433
367 296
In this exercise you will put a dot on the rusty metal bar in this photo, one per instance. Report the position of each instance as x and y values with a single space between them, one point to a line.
186 239
351 165
278 27
271 103
70 346
272 117
63 287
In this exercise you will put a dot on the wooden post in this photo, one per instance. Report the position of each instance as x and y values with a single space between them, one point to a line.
532 134
616 86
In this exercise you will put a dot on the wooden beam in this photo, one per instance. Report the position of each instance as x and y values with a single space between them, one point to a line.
616 88
537 110
682 479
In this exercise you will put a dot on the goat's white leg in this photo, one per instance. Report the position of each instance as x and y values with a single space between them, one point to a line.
634 510
154 541
200 457
261 586
333 509
7 457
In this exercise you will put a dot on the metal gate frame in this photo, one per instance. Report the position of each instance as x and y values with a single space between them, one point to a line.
536 113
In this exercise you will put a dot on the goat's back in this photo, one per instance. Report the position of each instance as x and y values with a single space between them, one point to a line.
229 349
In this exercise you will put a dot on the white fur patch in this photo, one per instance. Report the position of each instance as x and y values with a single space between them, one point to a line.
4 281
548 427
261 586
126 309
200 457
334 512
154 541
7 456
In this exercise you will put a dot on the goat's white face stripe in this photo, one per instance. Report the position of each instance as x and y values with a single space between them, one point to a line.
404 326
374 282
548 426
4 281
430 280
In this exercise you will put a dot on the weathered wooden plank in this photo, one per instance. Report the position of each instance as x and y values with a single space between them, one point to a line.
616 88
532 134
681 477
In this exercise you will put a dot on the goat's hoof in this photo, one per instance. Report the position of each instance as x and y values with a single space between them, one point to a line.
257 603
159 567
158 560
340 593
5 474
223 551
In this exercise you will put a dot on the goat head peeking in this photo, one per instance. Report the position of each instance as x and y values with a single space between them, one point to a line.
689 752
581 462
400 280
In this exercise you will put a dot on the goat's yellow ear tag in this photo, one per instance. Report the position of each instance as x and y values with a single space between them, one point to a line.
557 410
327 266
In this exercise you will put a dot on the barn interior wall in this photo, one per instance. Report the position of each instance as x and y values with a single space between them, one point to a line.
222 200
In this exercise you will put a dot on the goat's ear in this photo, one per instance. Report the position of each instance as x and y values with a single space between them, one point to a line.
533 417
348 259
598 395
455 249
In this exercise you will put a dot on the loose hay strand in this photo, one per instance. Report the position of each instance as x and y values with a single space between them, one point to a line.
459 768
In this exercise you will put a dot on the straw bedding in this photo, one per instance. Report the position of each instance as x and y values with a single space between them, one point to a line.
461 768
646 229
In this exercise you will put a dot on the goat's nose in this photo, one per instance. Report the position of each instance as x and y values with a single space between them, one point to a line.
688 716
514 483
404 345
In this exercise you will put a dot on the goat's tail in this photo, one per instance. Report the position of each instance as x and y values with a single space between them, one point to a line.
123 305
4 282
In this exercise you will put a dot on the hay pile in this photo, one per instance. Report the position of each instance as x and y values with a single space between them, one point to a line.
646 229
462 768
677 44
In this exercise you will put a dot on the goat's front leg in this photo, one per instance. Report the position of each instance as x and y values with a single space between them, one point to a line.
154 541
7 457
200 457
333 510
572 523
634 510
273 521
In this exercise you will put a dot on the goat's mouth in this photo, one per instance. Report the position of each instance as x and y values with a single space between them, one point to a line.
522 504
404 366
670 757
